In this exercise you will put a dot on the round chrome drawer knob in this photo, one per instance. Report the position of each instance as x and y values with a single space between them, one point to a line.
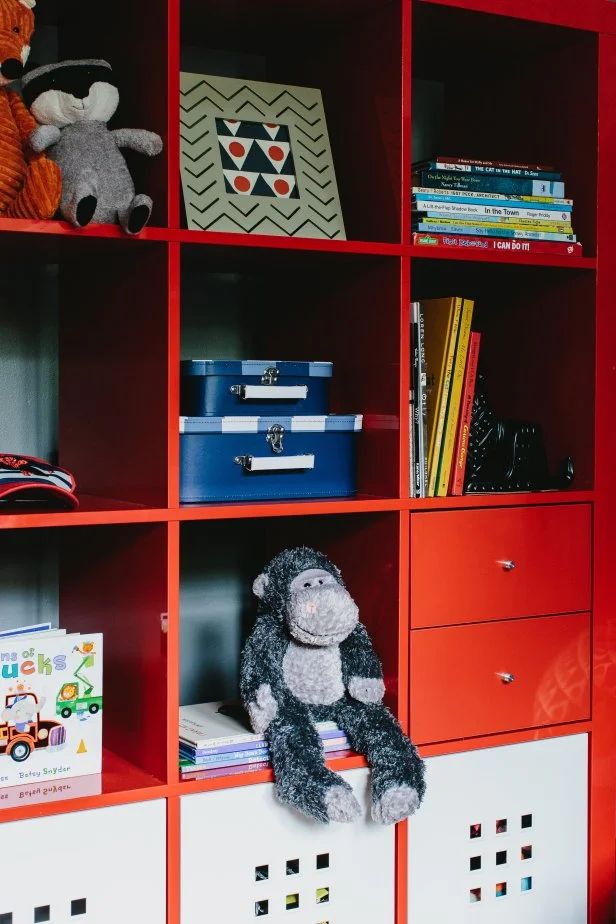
505 677
507 564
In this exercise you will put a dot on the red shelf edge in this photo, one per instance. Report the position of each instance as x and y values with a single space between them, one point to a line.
417 252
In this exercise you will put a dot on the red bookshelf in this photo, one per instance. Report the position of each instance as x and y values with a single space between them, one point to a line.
129 310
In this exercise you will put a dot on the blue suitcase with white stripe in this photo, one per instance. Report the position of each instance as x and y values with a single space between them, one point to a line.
220 388
267 458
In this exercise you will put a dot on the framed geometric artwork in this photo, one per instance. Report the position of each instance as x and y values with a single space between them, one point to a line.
256 159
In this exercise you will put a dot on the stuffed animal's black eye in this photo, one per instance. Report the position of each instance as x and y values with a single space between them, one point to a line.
307 584
320 580
16 29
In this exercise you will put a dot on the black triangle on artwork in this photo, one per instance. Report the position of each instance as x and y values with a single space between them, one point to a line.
258 161
227 162
262 189
288 168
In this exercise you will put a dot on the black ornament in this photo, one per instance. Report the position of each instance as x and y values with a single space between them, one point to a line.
508 455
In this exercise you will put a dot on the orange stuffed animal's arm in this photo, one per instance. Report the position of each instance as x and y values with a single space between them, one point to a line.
25 121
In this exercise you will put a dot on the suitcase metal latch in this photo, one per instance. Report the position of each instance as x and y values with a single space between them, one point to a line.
274 437
270 376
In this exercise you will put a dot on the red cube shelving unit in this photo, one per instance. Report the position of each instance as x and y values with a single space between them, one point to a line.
527 80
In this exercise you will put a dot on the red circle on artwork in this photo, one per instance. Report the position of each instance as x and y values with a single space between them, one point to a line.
241 184
281 187
237 149
275 152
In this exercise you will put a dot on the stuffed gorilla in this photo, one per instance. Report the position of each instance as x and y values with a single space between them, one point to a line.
309 659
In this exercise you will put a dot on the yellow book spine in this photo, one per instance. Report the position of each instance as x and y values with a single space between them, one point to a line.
523 224
442 408
453 411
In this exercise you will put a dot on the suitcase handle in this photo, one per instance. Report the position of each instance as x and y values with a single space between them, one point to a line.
274 463
270 392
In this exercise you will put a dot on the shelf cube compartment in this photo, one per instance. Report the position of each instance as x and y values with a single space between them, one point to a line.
357 884
545 780
220 561
537 348
84 373
124 872
259 304
108 579
350 52
522 111
68 30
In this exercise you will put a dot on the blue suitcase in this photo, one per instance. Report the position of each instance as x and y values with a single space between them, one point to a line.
267 458
212 387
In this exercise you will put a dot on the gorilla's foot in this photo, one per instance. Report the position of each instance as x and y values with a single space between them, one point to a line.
395 804
341 804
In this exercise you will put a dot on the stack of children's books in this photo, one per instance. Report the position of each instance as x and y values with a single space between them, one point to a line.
51 704
216 740
444 373
488 205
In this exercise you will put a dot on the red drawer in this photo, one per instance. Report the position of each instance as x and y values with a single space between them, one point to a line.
478 565
459 676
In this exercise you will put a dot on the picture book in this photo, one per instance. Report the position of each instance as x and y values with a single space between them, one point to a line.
213 728
51 704
441 322
455 394
464 422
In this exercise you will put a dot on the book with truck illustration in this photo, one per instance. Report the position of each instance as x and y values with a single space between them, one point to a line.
51 705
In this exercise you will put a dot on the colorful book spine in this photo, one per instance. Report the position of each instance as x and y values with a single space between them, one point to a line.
241 741
482 198
254 754
469 210
333 744
455 395
454 166
412 443
224 761
503 164
456 228
423 405
416 416
193 773
223 748
517 186
442 406
460 242
466 410
473 221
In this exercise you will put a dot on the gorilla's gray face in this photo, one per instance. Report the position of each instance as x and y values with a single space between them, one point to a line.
320 611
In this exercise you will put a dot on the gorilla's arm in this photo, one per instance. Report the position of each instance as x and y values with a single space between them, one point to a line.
260 677
361 669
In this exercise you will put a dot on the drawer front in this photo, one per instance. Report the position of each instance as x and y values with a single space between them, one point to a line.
94 867
461 564
457 690
246 855
502 836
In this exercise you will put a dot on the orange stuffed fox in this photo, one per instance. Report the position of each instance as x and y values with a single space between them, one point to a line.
30 184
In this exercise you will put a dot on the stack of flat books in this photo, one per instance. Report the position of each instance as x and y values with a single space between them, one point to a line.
444 373
215 740
472 204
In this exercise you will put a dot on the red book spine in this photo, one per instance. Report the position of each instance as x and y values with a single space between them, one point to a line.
507 245
498 164
466 409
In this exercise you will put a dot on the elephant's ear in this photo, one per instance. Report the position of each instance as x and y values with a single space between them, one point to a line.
259 585
29 4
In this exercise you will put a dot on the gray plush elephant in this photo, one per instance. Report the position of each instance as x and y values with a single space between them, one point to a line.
307 660
73 101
